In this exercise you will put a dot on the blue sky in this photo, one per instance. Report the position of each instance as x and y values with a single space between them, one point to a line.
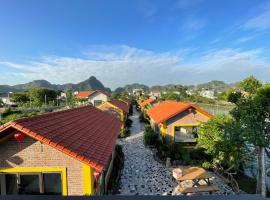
146 41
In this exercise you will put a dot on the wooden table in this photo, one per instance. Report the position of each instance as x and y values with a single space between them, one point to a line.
195 174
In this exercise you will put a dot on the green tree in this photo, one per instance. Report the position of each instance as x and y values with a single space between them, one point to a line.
40 96
234 96
221 138
20 97
250 84
252 113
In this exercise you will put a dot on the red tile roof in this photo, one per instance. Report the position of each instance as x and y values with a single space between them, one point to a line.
85 133
127 101
84 94
120 104
156 90
167 109
146 102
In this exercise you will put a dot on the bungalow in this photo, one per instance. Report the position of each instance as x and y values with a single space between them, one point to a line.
156 92
96 97
68 152
177 121
118 108
144 105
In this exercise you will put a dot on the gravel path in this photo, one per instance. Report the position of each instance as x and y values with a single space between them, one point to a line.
142 175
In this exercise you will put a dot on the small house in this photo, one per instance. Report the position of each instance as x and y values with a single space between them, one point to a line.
148 103
176 121
96 97
118 108
69 152
156 92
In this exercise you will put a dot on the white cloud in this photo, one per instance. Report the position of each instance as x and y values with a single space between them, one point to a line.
245 39
119 65
259 22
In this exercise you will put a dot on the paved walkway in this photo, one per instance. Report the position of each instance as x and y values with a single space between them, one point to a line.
142 175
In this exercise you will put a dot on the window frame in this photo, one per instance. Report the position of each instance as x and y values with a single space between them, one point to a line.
34 171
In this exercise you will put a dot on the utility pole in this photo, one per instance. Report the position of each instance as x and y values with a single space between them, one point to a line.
45 100
57 100
30 103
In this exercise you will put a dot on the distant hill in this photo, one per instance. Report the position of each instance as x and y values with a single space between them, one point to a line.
130 87
90 84
218 86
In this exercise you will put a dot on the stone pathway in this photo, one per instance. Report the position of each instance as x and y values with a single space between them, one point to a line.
142 175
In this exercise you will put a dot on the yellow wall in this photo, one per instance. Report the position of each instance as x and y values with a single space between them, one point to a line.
163 129
88 180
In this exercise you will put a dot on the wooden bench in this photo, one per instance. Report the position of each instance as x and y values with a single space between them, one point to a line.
201 188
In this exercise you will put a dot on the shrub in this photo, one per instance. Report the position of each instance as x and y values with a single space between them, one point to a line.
185 155
8 112
206 165
143 118
128 123
150 137
113 184
124 133
164 151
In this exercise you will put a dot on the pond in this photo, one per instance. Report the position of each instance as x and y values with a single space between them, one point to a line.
215 109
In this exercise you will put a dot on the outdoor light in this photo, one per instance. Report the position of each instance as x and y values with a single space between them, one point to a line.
19 137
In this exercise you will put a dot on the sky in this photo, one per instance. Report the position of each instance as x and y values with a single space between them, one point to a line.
154 42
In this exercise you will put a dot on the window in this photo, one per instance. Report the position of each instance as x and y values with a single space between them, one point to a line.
97 102
185 133
56 187
31 183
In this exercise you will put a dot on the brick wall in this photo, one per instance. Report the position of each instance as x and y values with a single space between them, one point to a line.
33 153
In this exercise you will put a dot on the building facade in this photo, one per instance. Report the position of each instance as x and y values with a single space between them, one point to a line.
61 153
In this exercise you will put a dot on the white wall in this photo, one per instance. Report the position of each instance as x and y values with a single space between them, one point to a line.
98 96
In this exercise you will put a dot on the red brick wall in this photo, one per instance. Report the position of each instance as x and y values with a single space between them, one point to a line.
33 153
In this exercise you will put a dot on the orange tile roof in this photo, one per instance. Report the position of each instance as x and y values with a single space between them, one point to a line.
167 109
84 94
85 133
146 102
